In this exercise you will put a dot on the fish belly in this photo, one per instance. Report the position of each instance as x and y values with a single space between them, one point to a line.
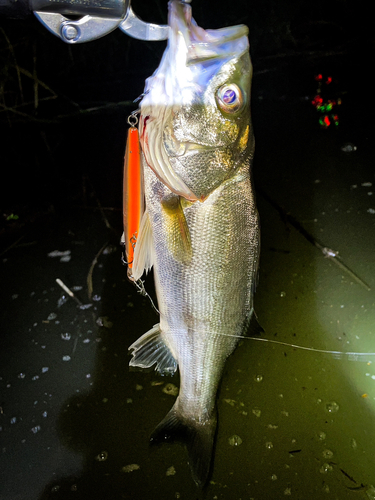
205 303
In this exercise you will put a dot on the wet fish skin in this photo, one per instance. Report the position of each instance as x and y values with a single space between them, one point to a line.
200 230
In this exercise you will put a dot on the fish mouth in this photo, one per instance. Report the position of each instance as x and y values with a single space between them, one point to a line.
199 44
172 86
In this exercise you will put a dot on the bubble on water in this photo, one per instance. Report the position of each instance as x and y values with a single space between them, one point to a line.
353 444
35 429
102 456
321 436
44 414
332 407
282 294
327 454
170 389
96 298
288 491
66 336
258 378
130 468
73 487
85 341
66 358
21 375
45 369
371 493
52 316
13 420
326 468
273 477
235 440
55 488
15 296
269 445
325 488
35 377
171 471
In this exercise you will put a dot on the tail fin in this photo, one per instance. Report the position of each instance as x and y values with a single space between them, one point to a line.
198 437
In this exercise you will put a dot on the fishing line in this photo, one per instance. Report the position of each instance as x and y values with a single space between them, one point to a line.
337 354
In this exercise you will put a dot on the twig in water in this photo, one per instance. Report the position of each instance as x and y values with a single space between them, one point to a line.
327 252
68 291
89 275
106 221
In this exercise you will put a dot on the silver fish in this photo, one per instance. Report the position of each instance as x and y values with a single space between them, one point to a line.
200 230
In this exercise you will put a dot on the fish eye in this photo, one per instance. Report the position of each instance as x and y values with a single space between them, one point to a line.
230 98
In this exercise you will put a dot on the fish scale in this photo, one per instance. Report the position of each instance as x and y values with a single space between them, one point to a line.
200 230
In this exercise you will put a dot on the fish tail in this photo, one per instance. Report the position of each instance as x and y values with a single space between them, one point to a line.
199 439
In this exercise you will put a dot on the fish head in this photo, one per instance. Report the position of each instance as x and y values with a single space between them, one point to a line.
195 126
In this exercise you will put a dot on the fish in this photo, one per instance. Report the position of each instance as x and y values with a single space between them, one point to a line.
200 230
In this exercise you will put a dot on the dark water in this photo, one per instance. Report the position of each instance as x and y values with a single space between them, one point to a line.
75 422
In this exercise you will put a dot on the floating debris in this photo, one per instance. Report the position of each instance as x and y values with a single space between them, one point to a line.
235 440
66 358
171 471
327 454
326 468
66 336
170 389
348 147
332 407
68 291
62 254
104 321
52 316
257 412
35 429
130 468
231 402
102 456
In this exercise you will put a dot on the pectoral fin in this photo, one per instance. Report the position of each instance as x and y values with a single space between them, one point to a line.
177 230
150 349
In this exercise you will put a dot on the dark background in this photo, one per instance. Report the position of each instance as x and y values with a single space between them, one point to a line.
63 108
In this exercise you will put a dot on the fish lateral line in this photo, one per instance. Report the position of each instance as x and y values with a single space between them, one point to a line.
337 354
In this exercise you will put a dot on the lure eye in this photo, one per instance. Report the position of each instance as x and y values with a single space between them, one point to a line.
230 98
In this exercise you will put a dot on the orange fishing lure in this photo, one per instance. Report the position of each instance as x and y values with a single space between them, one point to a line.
133 195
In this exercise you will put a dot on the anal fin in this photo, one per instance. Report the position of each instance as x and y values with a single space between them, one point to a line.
151 349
